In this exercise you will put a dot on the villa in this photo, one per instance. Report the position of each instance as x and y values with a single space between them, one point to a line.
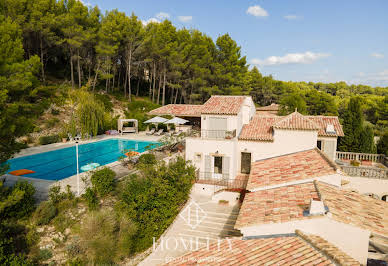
233 134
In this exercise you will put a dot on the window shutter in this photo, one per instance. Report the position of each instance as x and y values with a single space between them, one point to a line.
208 166
225 166
328 148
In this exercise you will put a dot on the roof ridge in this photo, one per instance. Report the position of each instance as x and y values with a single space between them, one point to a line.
296 113
322 116
327 159
327 249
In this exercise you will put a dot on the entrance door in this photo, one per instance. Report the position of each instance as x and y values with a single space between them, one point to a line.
245 162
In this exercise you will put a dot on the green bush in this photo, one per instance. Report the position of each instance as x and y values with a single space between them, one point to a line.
17 201
45 212
105 100
153 200
103 181
355 163
98 237
55 194
44 140
50 123
91 198
45 254
147 159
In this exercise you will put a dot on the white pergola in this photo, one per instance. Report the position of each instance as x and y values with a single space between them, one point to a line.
122 129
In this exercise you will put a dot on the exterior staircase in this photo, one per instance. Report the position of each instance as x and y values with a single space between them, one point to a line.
216 223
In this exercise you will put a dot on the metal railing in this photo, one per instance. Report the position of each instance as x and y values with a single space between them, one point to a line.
367 172
220 181
214 134
353 156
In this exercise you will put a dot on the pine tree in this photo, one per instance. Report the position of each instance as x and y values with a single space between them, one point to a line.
352 126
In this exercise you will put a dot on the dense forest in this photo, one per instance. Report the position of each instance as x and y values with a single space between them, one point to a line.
49 44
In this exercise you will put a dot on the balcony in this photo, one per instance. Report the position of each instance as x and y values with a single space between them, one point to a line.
368 165
221 181
214 134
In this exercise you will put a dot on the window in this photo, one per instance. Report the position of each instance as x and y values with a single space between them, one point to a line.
198 157
319 144
245 162
218 164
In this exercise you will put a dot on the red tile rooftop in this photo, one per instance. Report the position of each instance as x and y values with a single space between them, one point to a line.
287 168
296 121
178 110
277 205
223 105
287 203
301 249
261 127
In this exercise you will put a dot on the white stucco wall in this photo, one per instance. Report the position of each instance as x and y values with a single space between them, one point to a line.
364 185
353 240
285 142
211 146
325 142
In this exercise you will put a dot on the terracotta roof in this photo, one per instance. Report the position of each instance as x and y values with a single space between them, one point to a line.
276 205
328 249
292 250
286 203
323 121
259 128
223 105
178 110
271 107
296 121
356 209
287 168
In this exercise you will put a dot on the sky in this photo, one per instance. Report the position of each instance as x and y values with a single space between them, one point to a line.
297 40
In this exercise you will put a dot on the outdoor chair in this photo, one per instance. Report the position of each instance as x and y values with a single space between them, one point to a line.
151 132
159 133
178 133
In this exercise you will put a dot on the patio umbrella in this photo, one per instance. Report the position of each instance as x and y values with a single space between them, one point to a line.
155 120
177 121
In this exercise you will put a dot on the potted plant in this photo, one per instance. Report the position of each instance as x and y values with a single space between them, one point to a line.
63 136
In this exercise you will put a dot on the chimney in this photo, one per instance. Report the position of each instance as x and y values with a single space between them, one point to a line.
317 207
330 129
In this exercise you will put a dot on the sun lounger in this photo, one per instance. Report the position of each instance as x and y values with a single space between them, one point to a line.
178 133
159 133
151 132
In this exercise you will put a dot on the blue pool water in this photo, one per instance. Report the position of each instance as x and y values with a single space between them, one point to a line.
59 164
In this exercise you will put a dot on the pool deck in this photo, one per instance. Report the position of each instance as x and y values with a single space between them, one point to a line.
55 146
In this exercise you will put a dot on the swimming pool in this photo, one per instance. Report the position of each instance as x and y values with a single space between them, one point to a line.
59 164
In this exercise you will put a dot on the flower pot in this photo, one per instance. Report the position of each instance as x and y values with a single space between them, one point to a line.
64 140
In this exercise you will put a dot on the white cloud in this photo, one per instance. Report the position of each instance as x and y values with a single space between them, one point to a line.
257 11
162 15
374 78
185 19
85 3
377 55
151 20
292 17
295 58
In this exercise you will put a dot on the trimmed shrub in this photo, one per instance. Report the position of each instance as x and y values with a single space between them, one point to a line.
147 159
44 140
91 198
103 181
45 212
355 163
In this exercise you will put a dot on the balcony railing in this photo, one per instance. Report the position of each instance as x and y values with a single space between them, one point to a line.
353 156
214 134
367 172
220 181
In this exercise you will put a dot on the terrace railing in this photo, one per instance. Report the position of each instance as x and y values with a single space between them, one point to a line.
214 134
220 181
367 172
353 156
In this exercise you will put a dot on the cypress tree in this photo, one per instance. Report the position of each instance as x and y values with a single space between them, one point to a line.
352 125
